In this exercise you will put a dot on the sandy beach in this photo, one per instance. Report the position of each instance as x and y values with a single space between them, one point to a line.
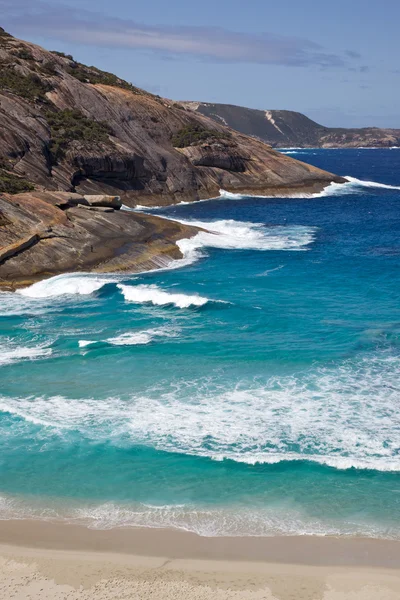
49 561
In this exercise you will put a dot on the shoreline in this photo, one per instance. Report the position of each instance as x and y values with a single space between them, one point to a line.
120 250
54 562
177 544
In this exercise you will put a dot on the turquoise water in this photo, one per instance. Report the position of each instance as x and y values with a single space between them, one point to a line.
253 390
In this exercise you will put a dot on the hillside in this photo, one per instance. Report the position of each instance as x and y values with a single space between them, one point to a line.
285 128
66 126
76 143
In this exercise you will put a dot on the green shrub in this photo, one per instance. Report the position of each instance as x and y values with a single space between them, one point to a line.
5 39
67 126
48 69
12 184
195 134
28 86
94 75
69 56
23 53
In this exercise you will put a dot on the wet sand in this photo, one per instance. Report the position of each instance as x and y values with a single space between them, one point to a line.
51 561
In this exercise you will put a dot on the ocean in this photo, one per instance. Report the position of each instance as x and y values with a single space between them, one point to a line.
252 388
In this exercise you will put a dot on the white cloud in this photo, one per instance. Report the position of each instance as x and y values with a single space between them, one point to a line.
210 43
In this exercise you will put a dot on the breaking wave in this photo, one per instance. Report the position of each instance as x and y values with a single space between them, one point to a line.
371 184
12 353
352 186
238 235
154 295
344 416
134 338
70 283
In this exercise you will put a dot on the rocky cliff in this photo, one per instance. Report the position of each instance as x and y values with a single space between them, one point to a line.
47 233
285 128
76 142
65 126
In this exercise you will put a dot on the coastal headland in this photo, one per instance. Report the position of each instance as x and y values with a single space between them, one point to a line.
72 130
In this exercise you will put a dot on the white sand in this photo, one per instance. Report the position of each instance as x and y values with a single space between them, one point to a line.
44 561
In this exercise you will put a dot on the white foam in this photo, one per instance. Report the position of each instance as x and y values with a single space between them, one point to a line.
371 184
211 521
344 416
12 353
84 343
60 285
238 235
154 295
232 196
135 338
131 339
352 186
268 271
214 521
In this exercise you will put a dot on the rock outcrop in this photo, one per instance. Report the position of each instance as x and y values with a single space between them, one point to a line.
76 143
68 127
43 235
286 128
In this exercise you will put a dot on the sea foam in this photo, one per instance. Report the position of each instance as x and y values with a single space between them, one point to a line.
154 295
351 186
12 353
70 283
241 235
344 416
134 338
209 521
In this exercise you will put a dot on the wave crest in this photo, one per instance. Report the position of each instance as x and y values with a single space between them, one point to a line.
343 416
70 283
240 235
154 295
12 353
352 186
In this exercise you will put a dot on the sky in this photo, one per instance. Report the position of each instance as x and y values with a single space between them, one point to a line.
336 61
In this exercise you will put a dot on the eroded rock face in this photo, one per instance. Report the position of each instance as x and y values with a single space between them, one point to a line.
220 155
90 142
128 148
103 201
39 238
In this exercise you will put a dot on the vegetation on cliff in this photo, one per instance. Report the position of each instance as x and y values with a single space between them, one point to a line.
105 135
29 86
94 75
11 184
67 126
192 135
285 128
4 38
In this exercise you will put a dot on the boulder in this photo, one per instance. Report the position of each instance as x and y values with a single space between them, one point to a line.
104 201
105 209
64 199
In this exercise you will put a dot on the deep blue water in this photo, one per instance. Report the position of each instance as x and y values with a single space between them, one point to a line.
254 390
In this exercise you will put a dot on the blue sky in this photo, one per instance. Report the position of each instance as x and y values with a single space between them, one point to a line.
335 61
